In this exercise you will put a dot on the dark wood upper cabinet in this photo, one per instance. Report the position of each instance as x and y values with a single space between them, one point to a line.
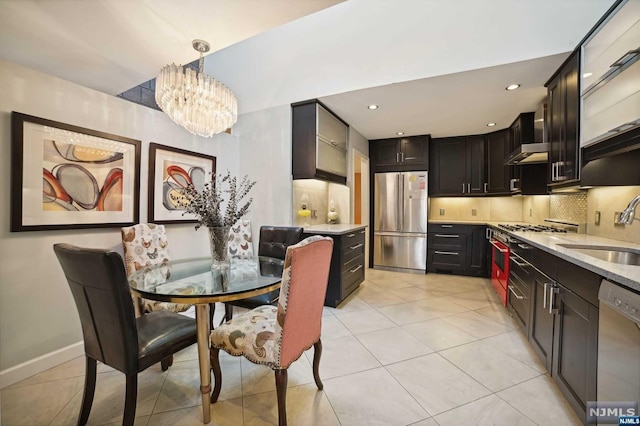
458 166
563 100
319 143
498 175
400 154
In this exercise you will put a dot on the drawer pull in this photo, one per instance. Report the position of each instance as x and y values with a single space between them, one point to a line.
363 231
356 246
521 264
351 235
452 253
355 269
514 292
447 226
448 235
524 246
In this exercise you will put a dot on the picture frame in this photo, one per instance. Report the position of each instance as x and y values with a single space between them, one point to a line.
170 169
70 177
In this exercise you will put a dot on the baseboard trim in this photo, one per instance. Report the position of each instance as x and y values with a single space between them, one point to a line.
42 363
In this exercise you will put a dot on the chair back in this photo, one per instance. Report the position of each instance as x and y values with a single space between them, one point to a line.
98 283
144 244
302 294
274 240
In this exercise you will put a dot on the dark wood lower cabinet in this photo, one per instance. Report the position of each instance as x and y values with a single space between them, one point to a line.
541 330
457 249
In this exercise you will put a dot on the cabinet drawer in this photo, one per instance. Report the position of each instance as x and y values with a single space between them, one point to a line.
351 252
352 276
447 241
350 239
444 228
448 260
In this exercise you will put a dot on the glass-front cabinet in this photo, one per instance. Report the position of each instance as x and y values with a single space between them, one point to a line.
610 76
331 155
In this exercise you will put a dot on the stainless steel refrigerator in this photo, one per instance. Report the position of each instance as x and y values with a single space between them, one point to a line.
400 221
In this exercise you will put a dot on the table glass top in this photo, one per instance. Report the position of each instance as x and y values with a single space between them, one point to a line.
195 278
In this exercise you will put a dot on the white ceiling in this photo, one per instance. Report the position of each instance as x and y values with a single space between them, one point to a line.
434 66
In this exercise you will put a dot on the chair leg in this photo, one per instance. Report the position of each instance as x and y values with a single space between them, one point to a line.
228 312
212 310
217 373
130 399
167 362
281 391
317 352
89 390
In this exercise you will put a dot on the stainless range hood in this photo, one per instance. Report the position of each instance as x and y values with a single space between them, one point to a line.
536 152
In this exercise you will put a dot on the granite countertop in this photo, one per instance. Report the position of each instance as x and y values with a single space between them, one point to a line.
626 275
338 229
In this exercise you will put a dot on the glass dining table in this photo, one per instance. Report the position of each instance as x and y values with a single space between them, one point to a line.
194 281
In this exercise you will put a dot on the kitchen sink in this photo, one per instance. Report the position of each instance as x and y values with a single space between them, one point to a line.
622 255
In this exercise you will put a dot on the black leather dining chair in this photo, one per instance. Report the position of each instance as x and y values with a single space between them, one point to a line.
273 243
112 334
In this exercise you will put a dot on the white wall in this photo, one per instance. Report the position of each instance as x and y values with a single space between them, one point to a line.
37 313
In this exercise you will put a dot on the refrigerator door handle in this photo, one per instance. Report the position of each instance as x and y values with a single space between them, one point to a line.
402 200
398 217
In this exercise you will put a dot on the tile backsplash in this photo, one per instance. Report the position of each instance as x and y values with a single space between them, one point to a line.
506 209
570 207
320 193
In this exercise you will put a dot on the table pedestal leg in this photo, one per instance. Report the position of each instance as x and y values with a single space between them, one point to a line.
204 329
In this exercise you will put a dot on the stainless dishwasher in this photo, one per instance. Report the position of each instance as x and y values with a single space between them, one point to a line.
618 344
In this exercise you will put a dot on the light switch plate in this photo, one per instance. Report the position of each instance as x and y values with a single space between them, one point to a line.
597 218
441 212
473 212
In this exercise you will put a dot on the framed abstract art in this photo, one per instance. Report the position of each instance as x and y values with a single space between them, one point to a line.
69 177
170 170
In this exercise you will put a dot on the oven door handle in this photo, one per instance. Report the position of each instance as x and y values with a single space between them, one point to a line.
500 249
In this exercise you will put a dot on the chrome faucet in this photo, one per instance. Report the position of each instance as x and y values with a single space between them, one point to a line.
627 215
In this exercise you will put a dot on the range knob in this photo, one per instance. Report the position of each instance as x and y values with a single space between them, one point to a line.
617 301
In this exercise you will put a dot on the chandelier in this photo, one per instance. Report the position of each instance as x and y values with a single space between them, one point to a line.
195 101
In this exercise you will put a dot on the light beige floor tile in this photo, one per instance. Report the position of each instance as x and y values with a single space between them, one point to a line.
180 390
426 422
436 384
475 299
306 405
377 297
38 403
498 313
516 345
385 402
223 413
406 313
541 401
138 421
494 369
365 320
440 307
393 345
463 284
390 283
486 411
342 356
438 334
187 354
350 304
477 325
73 368
332 328
413 293
430 278
260 378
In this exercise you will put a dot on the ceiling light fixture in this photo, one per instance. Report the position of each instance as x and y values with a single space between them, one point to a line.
513 86
491 124
199 103
373 106
400 133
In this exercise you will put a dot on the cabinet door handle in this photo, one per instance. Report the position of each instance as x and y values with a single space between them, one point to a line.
356 246
451 253
463 187
468 188
488 233
397 157
552 290
448 235
402 157
355 269
514 292
486 187
512 184
544 296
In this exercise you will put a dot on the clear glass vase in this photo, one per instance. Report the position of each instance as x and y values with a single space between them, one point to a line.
219 243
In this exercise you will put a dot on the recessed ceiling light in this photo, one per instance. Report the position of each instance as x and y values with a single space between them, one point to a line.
513 86
400 133
373 106
491 124
587 74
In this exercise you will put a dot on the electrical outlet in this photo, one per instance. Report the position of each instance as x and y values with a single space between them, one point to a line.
473 212
530 212
597 218
441 212
616 217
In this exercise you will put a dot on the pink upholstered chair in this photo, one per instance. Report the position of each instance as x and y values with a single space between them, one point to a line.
277 336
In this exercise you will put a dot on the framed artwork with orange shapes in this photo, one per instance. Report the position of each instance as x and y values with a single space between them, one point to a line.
170 170
69 177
